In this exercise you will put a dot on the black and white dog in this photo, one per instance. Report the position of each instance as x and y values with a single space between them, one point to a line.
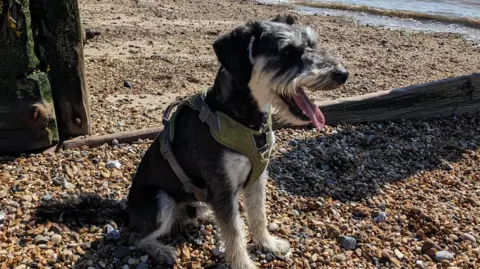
263 64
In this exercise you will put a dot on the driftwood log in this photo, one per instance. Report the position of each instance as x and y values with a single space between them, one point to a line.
438 99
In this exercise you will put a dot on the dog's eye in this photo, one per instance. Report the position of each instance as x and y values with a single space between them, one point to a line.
292 51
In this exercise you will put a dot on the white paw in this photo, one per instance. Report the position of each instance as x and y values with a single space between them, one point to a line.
274 244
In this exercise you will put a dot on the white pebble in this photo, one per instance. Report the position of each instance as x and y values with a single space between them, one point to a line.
273 227
113 164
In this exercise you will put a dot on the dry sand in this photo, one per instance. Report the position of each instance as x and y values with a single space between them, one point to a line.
406 190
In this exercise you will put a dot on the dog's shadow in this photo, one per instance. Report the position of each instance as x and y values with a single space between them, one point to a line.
356 162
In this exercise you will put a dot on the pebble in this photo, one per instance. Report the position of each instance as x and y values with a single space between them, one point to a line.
429 244
142 266
132 261
444 255
102 264
112 234
40 239
127 84
398 254
21 266
382 216
469 237
333 231
348 243
27 198
113 164
273 227
2 216
144 258
121 252
47 197
125 266
270 257
340 257
56 239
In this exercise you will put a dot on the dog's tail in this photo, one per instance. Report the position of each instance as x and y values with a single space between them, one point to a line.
88 208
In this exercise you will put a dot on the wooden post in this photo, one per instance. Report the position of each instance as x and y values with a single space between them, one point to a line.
27 118
60 43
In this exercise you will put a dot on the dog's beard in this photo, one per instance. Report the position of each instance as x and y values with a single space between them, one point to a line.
271 86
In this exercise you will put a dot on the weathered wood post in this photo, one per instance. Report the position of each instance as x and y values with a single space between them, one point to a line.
60 45
42 74
27 120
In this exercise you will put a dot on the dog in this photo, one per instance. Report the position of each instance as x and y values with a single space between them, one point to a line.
264 66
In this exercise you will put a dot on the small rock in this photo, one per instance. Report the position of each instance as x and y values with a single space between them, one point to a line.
398 254
273 227
127 84
47 197
56 239
144 258
419 264
333 231
132 261
295 212
27 198
112 234
314 257
142 266
185 254
113 164
125 266
381 217
340 257
443 256
370 139
2 216
348 242
40 239
469 237
429 244
91 267
21 266
121 252
270 257
102 264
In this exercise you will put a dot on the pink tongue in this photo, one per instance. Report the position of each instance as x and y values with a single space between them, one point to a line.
310 109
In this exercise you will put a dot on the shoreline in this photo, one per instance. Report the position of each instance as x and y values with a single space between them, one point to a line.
468 28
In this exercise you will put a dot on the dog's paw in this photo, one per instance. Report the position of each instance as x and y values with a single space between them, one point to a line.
166 255
274 244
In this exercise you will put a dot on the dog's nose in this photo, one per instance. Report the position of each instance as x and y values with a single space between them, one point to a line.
340 76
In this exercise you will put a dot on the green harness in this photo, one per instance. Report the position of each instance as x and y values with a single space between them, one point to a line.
256 145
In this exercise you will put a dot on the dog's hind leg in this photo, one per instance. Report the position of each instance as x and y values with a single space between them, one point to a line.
225 206
254 198
160 212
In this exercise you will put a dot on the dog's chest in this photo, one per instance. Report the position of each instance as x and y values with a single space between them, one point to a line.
237 167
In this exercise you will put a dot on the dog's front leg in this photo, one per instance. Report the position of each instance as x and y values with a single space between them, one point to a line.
254 198
228 218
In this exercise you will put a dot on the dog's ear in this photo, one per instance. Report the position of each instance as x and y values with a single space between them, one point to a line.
233 53
289 19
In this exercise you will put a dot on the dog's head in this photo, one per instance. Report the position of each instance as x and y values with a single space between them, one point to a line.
279 61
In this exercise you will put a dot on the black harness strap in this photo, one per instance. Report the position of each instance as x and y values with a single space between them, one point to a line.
206 116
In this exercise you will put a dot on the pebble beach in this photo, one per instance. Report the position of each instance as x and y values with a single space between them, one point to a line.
402 194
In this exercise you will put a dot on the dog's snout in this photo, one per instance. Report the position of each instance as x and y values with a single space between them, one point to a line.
340 76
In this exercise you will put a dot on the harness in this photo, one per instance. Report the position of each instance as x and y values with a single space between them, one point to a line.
255 144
